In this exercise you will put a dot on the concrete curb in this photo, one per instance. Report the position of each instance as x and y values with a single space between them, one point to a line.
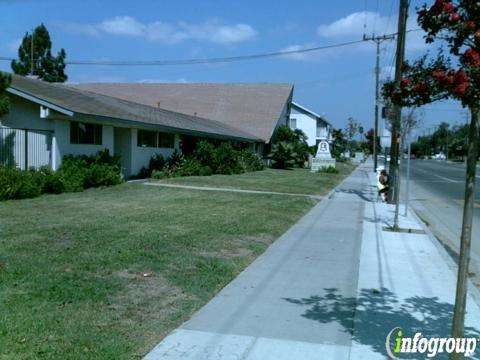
472 289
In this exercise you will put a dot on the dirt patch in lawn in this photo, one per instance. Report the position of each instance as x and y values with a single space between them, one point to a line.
145 304
245 246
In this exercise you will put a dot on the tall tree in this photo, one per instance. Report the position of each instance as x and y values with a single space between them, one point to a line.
457 23
35 57
5 80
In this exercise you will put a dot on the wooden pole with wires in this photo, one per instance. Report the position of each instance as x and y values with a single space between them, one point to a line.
378 40
396 123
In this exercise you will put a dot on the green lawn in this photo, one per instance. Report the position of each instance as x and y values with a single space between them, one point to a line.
72 265
299 181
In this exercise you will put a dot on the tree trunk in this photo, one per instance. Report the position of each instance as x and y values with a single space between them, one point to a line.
466 237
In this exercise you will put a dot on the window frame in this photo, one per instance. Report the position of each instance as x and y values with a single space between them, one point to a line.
161 140
77 138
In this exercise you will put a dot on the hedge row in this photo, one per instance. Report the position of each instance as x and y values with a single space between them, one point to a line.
75 174
207 159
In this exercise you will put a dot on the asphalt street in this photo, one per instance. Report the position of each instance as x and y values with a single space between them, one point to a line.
437 190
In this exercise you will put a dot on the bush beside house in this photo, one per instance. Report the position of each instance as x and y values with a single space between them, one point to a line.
75 174
290 148
208 159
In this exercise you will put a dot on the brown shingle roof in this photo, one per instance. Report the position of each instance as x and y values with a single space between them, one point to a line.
252 108
90 103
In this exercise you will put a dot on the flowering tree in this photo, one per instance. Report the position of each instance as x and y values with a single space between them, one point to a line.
454 76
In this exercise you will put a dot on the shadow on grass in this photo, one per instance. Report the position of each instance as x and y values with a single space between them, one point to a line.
371 316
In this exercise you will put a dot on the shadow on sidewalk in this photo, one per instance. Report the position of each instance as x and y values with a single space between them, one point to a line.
375 313
361 194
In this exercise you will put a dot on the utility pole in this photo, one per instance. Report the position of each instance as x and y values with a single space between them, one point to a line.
31 53
394 149
377 40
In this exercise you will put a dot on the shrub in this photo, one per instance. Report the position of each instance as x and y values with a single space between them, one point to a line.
18 184
75 174
205 153
82 172
207 159
156 162
250 161
283 155
205 171
175 159
328 170
189 167
226 160
101 175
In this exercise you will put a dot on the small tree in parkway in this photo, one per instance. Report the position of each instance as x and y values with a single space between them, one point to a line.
455 76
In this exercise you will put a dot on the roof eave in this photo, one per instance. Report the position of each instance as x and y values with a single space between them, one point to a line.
39 101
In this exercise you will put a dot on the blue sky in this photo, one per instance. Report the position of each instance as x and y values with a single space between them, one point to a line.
337 82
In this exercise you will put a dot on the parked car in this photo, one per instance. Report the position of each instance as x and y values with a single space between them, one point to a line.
440 156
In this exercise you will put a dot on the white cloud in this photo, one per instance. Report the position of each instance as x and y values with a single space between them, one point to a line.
122 25
354 25
303 56
168 33
220 34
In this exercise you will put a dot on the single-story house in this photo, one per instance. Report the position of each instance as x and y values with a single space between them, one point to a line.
315 126
135 121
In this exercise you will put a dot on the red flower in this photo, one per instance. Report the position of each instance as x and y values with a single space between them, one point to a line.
405 82
420 88
439 75
448 8
461 89
455 17
470 25
472 56
437 7
450 80
461 77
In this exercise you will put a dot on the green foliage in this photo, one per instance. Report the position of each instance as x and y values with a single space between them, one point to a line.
82 172
250 161
283 155
456 76
298 147
328 170
5 80
339 144
226 160
46 66
451 141
18 184
75 174
207 159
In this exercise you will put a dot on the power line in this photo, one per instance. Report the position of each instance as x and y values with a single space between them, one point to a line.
208 60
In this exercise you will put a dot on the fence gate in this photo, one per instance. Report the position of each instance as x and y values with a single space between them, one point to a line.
25 148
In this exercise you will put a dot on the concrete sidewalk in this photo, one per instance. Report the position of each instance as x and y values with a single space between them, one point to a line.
331 287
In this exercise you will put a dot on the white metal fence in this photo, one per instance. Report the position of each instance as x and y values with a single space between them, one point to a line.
25 148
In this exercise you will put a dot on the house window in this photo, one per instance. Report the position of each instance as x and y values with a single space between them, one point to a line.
155 139
83 133
293 123
146 138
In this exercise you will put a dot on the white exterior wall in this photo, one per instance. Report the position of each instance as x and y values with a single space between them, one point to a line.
308 125
141 155
26 115
63 146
